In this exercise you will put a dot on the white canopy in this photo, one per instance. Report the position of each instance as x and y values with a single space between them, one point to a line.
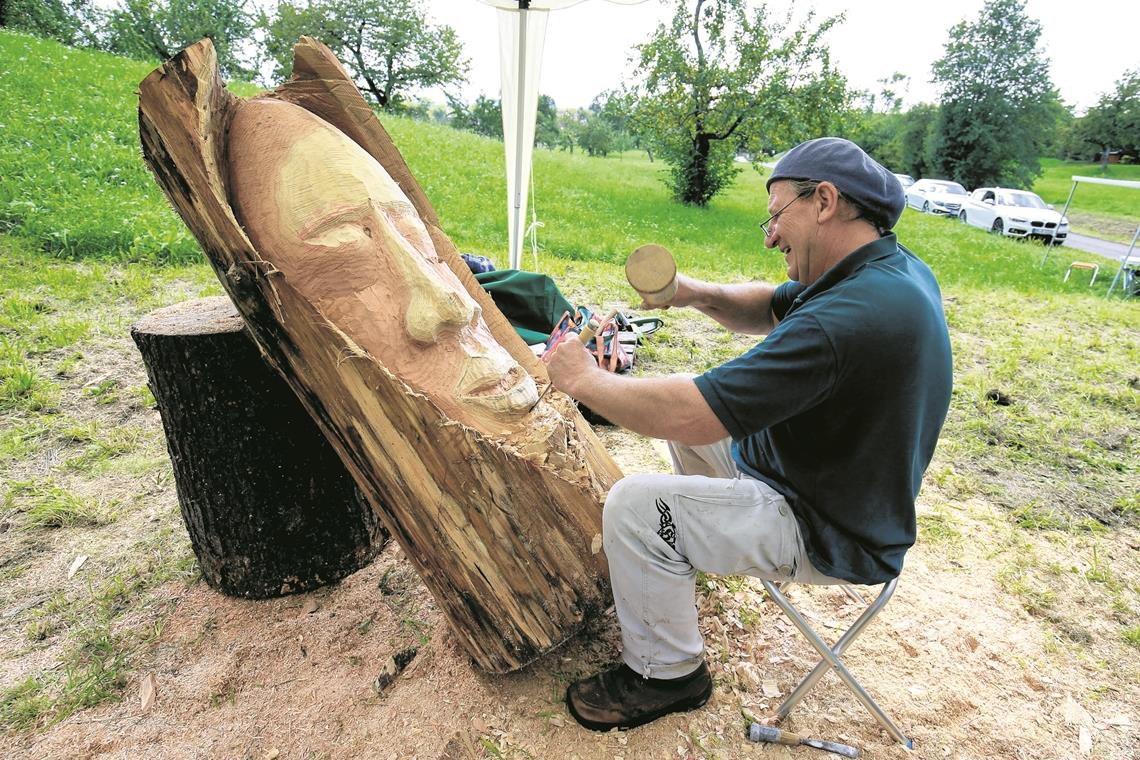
522 32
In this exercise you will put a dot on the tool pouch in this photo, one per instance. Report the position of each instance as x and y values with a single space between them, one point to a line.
607 346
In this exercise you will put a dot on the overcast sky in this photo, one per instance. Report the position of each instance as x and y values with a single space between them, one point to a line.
1089 43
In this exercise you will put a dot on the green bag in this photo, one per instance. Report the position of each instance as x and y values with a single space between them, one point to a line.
530 301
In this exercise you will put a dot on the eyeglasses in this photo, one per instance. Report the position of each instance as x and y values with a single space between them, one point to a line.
775 217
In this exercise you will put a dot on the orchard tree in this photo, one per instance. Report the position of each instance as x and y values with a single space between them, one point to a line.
388 46
571 123
998 108
149 29
1114 122
720 78
546 131
597 137
484 117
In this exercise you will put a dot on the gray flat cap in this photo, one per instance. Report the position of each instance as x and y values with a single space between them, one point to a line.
847 166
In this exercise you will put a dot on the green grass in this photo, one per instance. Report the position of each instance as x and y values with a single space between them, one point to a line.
1056 182
46 505
73 176
101 649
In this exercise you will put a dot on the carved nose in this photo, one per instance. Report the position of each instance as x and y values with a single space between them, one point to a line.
436 308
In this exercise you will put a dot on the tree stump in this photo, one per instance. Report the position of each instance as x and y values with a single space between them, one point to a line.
268 504
504 530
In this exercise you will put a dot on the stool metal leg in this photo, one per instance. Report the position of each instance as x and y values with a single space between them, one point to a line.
831 657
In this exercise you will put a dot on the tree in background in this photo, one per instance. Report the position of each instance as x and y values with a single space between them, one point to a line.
877 124
903 142
998 108
1112 124
546 133
72 22
158 29
717 78
483 117
916 140
597 137
571 122
387 45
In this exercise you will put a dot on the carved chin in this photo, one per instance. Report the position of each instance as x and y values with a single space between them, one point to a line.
512 401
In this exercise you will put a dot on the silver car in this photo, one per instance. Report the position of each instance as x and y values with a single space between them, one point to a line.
936 196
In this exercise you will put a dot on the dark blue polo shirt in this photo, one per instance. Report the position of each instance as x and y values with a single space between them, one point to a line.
840 407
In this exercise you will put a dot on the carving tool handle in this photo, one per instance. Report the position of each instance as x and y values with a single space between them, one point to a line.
592 327
761 733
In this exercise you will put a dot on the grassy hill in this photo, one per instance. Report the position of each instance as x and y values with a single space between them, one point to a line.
75 186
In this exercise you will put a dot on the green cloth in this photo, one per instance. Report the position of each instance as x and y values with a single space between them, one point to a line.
530 301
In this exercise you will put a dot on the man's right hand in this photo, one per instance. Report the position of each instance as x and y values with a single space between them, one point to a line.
686 295
744 308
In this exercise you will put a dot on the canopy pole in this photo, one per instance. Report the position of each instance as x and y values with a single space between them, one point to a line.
1072 192
1124 262
515 238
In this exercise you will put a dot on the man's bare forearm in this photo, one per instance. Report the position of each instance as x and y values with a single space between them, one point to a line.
743 308
669 407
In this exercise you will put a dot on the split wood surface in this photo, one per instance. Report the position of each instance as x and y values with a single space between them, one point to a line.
501 536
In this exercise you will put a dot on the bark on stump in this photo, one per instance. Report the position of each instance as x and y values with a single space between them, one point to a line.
268 504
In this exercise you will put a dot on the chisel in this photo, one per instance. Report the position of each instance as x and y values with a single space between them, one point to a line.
760 733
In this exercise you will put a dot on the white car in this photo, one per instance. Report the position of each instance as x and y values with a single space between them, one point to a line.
905 180
936 196
1016 213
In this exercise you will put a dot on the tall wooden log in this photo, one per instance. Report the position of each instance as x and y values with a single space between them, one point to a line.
269 506
504 529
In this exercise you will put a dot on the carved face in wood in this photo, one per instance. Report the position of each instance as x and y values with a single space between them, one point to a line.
339 229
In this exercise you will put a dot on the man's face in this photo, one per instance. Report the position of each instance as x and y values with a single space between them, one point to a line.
327 215
792 228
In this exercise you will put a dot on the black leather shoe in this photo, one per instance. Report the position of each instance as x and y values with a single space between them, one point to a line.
620 698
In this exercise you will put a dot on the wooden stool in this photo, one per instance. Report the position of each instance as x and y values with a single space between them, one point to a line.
1082 265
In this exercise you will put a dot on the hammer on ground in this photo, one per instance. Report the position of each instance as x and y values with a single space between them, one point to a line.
761 733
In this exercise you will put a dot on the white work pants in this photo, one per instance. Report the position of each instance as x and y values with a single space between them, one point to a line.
659 530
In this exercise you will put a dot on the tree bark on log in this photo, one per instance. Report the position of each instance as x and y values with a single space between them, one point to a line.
505 534
269 506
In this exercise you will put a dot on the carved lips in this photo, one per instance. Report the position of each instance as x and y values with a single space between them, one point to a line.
496 382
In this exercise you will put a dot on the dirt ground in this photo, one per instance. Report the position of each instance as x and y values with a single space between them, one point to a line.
962 667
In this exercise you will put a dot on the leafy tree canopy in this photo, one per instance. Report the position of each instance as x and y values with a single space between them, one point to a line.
72 22
999 109
149 29
546 131
719 78
1114 122
387 45
484 117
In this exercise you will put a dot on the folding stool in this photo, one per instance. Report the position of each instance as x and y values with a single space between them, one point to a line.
1095 268
831 655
